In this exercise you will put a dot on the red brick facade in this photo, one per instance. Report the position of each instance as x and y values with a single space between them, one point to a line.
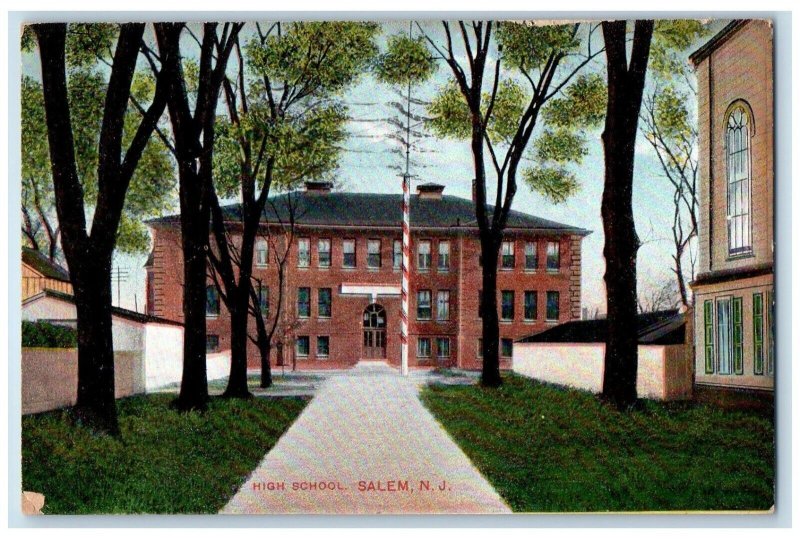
344 327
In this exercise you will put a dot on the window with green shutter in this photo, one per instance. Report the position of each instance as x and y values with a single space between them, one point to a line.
738 349
708 323
758 333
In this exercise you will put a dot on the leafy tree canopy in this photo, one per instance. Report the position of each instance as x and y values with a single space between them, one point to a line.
89 49
406 60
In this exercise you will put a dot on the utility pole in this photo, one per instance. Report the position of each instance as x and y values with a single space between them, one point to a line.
120 275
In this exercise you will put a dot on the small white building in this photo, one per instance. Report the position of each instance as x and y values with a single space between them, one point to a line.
151 347
573 354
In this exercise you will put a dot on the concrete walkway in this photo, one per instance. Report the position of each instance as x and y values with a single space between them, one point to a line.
366 445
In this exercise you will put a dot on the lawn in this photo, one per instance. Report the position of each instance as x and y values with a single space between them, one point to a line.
164 462
547 448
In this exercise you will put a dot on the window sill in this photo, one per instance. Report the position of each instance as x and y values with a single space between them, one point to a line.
442 320
324 267
212 316
323 318
322 358
299 356
505 269
740 256
423 270
529 270
507 321
553 271
424 319
349 268
303 267
261 266
529 321
551 322
443 270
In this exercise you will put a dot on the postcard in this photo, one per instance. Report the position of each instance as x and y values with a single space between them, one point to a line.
412 267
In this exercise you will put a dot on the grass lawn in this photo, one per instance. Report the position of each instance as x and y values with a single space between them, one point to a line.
546 448
164 462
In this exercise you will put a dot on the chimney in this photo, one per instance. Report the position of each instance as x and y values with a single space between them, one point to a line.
430 191
318 187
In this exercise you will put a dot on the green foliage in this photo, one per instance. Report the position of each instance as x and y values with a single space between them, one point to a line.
672 114
546 448
325 55
165 461
583 103
671 41
152 189
561 146
449 113
555 183
509 105
86 42
526 46
406 60
46 335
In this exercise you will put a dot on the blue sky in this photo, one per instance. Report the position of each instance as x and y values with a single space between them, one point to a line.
369 165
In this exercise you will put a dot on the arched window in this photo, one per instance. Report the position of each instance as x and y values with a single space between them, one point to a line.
212 301
737 146
261 253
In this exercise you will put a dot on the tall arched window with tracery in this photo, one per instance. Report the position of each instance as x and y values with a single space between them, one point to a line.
737 145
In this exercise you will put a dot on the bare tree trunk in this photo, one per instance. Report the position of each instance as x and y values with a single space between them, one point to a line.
237 381
625 89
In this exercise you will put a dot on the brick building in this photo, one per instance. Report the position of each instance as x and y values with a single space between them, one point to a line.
343 276
733 291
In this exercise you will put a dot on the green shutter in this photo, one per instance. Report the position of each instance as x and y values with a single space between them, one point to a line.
770 333
738 357
758 333
708 322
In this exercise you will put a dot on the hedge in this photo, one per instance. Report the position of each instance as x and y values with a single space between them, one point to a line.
47 335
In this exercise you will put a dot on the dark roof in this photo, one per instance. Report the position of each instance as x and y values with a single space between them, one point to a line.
117 311
718 39
660 327
43 265
381 210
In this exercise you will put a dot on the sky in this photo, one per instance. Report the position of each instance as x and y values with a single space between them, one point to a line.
369 165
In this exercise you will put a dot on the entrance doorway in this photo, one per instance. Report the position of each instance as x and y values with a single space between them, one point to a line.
374 345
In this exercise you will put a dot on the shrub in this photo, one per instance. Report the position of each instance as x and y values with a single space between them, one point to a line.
47 335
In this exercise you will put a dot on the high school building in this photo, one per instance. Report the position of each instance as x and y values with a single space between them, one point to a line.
733 291
341 295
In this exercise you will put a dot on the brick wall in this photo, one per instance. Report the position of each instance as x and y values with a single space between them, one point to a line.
740 70
344 327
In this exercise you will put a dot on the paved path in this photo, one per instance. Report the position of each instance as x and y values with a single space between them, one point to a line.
359 444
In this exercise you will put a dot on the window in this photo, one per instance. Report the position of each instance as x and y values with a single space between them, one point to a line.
324 252
737 146
212 343
349 254
301 346
724 336
374 254
708 324
397 254
444 256
552 306
324 302
507 251
424 255
507 305
263 299
323 346
738 336
531 256
506 347
443 305
262 253
758 333
423 305
480 347
304 302
553 256
423 347
442 347
303 253
530 304
212 301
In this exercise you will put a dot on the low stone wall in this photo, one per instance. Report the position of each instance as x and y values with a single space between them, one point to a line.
50 377
664 372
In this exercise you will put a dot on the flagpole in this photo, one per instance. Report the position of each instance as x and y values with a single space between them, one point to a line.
406 235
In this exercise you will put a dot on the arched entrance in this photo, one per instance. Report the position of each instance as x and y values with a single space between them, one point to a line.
374 321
